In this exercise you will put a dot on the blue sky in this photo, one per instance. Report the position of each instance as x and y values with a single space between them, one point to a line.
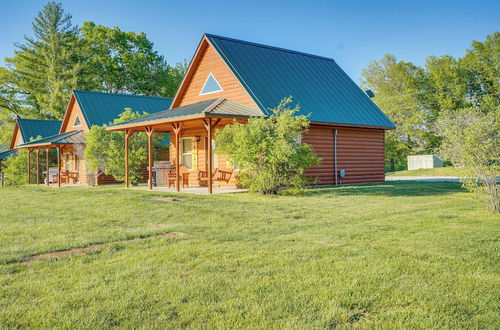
352 32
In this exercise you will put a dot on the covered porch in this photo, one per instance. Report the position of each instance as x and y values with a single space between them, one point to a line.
194 165
64 143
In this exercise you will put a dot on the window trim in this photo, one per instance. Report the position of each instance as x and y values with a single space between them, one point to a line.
79 122
206 81
182 153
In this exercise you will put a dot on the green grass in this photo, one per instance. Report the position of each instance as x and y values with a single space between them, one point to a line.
440 171
413 255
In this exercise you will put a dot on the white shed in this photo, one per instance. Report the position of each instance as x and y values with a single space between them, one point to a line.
424 161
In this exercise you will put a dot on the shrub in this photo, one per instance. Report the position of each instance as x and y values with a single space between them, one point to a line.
471 138
268 150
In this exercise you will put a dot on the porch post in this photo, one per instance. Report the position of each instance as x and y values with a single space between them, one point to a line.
29 165
37 166
47 163
58 165
149 132
177 130
209 125
210 165
127 136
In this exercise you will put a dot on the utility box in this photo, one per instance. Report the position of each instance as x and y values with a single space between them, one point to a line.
424 161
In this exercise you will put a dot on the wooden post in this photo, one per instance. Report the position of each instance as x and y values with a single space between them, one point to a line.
128 134
149 132
58 165
37 166
177 130
47 163
29 166
210 126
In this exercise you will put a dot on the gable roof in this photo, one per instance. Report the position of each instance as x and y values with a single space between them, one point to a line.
316 83
101 108
73 137
31 128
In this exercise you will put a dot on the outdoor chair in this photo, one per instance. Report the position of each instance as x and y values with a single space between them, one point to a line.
172 178
203 177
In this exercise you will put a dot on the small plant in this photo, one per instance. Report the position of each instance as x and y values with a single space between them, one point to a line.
268 150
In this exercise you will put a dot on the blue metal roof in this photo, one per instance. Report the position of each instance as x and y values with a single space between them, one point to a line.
7 154
316 83
101 108
72 137
32 128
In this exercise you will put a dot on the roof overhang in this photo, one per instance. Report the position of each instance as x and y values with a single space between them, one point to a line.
74 137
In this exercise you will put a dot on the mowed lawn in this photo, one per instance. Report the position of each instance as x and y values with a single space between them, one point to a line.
400 254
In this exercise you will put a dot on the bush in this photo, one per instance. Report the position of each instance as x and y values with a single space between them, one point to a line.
471 138
268 151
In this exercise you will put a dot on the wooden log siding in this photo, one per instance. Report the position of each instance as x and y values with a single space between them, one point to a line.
206 61
360 152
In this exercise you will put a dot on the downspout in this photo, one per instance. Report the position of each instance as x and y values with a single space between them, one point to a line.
335 156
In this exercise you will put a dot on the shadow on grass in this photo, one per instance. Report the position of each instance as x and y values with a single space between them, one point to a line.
391 189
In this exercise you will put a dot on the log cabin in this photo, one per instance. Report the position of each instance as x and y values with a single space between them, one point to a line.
86 109
230 79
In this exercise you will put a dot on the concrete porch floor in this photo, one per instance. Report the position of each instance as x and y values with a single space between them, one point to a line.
192 189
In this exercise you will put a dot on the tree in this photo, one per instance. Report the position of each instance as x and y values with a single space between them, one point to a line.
483 64
105 150
126 62
46 67
268 151
397 87
471 138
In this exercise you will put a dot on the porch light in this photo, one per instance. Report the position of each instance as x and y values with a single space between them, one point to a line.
197 138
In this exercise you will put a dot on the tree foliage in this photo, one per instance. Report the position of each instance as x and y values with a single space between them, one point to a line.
268 151
415 97
105 150
46 66
60 57
471 138
120 61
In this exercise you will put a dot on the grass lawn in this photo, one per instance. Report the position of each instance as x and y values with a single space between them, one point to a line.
440 171
401 254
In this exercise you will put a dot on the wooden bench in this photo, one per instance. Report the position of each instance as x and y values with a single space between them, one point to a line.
203 177
224 176
66 177
172 179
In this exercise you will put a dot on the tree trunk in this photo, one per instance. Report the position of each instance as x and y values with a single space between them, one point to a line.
393 165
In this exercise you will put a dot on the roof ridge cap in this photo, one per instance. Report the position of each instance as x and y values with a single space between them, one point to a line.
121 94
214 105
251 43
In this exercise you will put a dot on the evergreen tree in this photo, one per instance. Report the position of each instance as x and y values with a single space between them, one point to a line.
46 66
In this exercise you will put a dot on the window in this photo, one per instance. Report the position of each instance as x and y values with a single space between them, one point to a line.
215 157
77 122
211 85
187 152
67 162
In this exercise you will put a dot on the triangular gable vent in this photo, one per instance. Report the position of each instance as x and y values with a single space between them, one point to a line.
77 122
211 85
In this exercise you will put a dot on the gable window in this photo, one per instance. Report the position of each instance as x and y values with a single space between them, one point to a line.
211 85
77 122
187 152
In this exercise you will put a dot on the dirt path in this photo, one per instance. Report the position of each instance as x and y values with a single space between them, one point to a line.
95 247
